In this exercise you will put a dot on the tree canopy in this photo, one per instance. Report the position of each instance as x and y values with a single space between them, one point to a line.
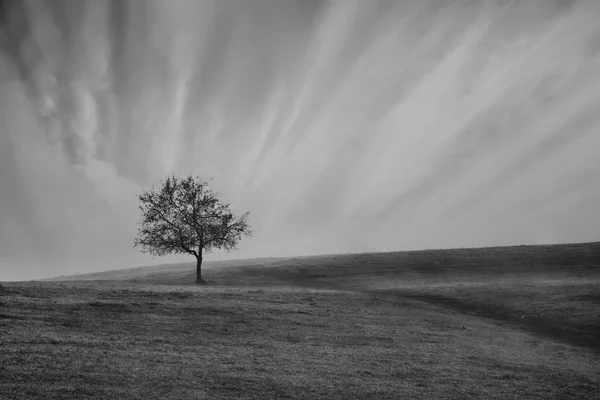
184 216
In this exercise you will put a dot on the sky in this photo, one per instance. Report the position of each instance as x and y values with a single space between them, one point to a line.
341 126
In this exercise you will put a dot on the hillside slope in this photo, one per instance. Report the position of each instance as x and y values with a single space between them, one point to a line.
549 290
380 270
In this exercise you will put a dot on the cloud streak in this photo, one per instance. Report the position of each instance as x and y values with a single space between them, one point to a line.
341 125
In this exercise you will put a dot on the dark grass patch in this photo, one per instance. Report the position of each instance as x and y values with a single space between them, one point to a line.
573 335
111 306
594 297
552 311
11 316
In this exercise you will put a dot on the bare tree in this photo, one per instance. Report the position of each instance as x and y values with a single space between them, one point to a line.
184 216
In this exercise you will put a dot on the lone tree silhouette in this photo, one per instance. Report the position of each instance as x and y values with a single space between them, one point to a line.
184 216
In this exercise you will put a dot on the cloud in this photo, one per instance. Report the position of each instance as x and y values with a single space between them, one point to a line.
341 125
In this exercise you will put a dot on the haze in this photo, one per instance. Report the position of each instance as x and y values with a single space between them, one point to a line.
342 126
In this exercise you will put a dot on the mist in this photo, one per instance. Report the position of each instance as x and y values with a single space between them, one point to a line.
342 126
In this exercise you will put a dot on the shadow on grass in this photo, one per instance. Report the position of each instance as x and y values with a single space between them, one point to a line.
582 336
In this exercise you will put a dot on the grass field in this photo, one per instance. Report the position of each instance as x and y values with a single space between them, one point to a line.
495 323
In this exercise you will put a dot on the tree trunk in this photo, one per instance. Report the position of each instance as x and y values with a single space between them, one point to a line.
199 269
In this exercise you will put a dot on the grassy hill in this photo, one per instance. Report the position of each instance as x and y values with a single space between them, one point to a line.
378 270
494 323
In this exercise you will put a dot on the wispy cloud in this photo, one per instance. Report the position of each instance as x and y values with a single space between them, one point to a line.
341 125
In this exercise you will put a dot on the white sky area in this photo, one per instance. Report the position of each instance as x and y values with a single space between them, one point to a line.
342 126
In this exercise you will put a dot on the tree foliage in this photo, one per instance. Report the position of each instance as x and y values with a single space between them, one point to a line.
185 216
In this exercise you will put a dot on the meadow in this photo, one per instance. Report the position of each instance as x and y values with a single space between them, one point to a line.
492 323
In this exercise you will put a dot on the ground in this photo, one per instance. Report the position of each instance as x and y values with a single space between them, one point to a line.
498 323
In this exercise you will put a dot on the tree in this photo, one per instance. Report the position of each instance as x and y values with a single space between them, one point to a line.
184 216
